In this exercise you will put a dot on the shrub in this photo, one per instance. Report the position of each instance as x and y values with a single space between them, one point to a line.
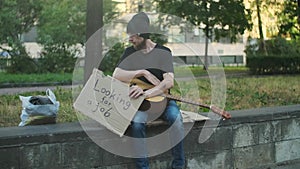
57 59
273 64
283 57
20 62
111 58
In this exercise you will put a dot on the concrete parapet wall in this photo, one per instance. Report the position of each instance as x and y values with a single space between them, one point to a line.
252 139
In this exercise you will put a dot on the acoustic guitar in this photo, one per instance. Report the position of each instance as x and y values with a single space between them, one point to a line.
152 104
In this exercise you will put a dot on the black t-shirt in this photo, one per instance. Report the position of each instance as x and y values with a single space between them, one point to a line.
158 61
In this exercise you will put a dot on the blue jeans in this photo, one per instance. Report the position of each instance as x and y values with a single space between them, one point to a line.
170 115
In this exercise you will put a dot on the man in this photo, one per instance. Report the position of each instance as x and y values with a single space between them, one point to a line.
151 63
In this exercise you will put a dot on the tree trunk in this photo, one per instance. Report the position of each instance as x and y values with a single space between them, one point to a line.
261 34
93 48
206 64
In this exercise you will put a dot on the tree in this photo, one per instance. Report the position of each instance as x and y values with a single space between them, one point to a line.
261 34
18 17
217 18
64 21
61 26
264 9
289 19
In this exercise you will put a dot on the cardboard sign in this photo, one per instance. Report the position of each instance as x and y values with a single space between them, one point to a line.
106 100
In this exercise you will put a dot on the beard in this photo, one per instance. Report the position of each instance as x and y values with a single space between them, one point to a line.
141 45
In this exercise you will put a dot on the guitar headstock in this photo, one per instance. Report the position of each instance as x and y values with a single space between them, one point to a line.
221 112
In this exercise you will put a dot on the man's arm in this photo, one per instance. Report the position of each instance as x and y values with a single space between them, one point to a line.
166 84
126 75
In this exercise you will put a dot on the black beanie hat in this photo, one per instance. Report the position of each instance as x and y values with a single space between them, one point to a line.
139 24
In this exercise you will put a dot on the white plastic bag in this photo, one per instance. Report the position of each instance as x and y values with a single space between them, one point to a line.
39 113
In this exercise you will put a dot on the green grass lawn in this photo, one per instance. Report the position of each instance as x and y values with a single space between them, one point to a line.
35 78
241 93
68 77
199 71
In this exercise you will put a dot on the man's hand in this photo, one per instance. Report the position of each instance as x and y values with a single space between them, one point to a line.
135 91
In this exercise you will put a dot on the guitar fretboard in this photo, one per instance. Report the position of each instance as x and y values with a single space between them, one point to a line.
213 108
186 101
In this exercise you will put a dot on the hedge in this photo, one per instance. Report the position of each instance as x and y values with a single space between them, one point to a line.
266 65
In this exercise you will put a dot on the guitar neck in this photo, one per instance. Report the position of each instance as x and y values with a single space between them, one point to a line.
213 108
186 101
